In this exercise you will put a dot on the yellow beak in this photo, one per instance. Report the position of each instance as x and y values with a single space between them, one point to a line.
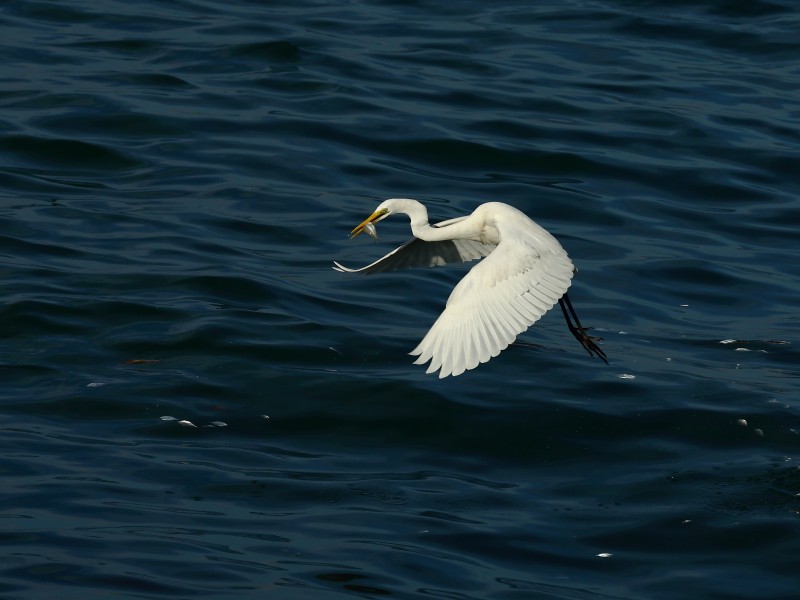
373 218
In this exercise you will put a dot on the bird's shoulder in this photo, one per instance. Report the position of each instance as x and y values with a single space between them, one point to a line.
516 231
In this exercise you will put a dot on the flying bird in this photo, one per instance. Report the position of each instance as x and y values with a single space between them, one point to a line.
524 273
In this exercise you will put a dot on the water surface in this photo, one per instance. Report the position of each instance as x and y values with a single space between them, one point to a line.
175 180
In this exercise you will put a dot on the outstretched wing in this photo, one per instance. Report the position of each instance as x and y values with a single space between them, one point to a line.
419 253
497 300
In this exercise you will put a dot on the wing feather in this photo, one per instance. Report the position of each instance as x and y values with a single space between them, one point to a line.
526 309
478 344
497 300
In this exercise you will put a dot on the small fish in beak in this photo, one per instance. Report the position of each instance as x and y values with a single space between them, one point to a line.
371 230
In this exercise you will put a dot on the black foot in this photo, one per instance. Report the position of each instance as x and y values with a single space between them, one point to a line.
579 331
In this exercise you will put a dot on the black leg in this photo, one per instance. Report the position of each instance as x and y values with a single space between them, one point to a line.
578 330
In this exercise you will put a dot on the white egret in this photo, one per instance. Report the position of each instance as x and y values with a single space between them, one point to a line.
526 271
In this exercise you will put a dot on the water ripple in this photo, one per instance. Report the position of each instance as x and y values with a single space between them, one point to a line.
175 181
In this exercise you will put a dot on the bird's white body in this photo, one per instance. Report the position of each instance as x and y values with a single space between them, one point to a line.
523 275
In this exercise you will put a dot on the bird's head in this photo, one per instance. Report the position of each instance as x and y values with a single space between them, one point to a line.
384 210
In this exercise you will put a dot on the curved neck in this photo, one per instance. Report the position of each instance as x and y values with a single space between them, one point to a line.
417 213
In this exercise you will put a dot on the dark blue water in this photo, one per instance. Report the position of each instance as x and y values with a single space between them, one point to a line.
175 180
